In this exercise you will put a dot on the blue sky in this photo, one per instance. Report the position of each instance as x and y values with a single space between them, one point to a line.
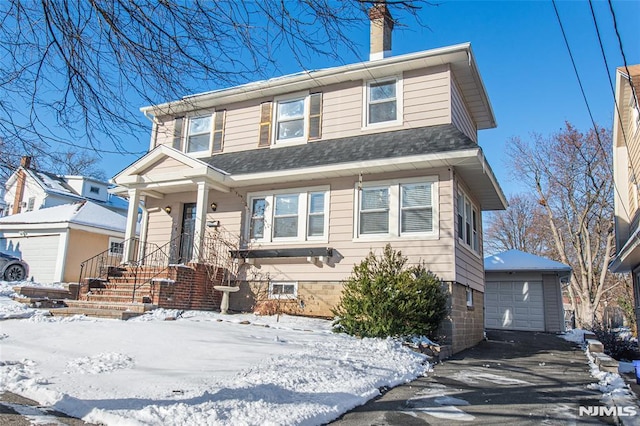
523 61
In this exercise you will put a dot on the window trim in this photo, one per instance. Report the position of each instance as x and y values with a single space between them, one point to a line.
282 296
304 96
186 125
303 215
395 233
399 102
474 232
115 240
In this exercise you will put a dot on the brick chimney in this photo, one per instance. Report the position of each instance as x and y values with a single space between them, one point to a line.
381 25
25 163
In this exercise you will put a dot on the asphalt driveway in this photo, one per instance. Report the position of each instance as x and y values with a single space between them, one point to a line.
522 378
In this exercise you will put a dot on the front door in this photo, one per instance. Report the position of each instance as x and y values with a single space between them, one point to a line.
188 232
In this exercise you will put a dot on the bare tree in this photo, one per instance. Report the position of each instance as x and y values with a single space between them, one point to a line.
570 173
66 162
520 227
71 69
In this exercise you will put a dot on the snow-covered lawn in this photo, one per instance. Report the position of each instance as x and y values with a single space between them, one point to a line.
201 368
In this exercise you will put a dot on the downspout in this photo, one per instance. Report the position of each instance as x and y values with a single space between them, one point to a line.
154 132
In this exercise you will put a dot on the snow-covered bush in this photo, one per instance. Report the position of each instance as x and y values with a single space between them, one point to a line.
383 297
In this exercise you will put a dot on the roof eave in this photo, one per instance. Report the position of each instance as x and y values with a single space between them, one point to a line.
459 54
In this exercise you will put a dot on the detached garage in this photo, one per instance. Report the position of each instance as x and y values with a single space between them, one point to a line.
54 241
523 292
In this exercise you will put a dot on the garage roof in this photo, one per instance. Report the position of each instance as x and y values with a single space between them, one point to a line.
516 260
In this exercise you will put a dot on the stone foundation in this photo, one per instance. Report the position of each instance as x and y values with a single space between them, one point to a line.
464 327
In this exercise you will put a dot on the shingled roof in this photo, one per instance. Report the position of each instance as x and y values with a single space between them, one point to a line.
375 146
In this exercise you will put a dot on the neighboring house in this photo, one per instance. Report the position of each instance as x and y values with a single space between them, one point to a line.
626 176
54 241
524 292
28 189
311 171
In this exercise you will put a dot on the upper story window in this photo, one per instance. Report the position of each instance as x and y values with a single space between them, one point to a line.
201 134
401 208
292 215
292 119
94 189
468 222
31 204
383 102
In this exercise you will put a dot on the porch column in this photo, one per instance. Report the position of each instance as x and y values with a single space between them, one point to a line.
130 231
202 204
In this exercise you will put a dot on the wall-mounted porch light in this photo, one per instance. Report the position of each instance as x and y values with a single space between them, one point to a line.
214 206
168 209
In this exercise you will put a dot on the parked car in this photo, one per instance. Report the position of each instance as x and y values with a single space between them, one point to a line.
13 268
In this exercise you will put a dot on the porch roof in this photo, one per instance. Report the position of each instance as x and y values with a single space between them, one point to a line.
411 149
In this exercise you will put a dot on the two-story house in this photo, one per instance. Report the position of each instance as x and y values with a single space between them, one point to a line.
626 176
29 189
313 170
55 222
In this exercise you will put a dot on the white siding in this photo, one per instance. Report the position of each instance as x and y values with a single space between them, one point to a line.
553 310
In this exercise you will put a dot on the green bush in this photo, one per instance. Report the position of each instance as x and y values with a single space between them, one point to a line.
383 297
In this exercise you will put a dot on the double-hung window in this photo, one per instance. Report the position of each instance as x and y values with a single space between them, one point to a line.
285 216
468 222
291 215
199 135
383 102
374 211
204 133
290 119
400 208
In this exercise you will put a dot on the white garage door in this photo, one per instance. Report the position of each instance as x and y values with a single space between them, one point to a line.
514 305
39 251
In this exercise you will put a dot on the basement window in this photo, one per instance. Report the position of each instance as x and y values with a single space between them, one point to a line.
283 290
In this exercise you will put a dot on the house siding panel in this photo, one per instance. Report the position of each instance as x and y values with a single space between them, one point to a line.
553 311
426 102
469 265
426 97
460 115
436 253
82 245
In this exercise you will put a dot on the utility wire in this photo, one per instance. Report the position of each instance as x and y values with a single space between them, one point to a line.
584 96
624 57
613 93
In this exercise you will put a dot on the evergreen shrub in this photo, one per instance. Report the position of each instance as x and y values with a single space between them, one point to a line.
383 297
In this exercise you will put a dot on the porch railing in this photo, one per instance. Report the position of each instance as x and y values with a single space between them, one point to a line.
148 260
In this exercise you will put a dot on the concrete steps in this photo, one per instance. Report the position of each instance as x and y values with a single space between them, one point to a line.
122 311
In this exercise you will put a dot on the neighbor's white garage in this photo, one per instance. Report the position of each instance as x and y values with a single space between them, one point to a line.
523 292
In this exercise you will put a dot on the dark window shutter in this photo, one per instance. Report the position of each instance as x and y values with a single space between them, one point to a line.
266 109
218 130
177 133
315 116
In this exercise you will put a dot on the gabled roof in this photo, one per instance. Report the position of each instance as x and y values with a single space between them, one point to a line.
85 213
516 260
57 185
459 58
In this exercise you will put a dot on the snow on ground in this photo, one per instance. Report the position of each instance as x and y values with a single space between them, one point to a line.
615 391
201 368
